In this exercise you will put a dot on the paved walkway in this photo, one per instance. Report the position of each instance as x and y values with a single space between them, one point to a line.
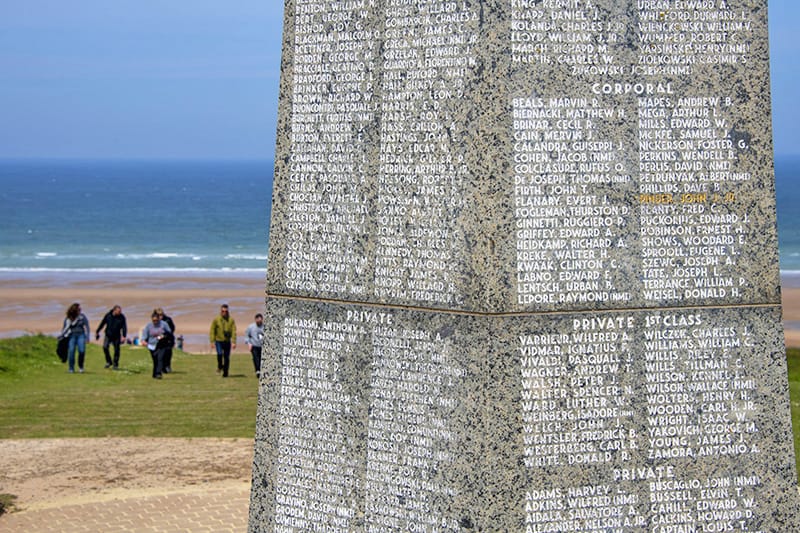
195 510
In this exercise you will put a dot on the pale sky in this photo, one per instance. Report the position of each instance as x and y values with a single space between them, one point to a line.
195 78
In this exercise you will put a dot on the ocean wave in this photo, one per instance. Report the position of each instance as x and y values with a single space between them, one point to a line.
95 260
113 256
142 256
255 257
156 255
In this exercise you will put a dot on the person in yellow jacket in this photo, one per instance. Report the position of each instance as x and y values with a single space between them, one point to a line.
223 338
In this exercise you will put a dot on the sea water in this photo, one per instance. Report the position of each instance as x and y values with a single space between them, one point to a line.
207 216
787 187
134 216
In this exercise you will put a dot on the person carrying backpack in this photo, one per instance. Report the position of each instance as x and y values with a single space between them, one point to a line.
76 327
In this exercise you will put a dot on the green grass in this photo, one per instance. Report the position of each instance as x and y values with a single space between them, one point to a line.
793 360
39 399
7 502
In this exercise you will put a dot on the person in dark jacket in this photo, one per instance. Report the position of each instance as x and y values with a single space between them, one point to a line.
171 344
116 331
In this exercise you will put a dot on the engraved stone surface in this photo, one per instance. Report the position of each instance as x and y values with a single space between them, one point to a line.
523 271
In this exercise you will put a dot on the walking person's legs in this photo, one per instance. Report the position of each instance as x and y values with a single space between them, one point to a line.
226 358
158 360
72 347
80 341
106 352
167 360
116 344
256 353
220 350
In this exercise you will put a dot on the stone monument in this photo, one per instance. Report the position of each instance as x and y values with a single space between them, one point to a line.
523 271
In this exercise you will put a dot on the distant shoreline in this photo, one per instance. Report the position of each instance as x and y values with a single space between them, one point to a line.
143 274
790 279
35 301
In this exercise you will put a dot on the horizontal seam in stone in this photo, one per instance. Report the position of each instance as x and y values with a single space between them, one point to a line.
509 314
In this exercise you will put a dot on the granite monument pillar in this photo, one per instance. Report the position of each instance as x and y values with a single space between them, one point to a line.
523 271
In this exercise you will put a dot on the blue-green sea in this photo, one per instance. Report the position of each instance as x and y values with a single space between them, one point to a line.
207 216
141 216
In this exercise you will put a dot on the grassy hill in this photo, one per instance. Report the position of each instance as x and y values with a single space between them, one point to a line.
793 360
39 399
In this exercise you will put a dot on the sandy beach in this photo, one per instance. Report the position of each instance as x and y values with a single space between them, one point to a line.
790 296
35 302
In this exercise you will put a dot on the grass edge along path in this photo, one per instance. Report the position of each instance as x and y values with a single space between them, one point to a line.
40 399
7 503
793 364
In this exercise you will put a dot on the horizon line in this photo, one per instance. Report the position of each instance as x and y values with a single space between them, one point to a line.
196 158
133 158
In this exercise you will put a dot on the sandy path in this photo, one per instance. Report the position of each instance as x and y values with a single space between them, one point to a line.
46 473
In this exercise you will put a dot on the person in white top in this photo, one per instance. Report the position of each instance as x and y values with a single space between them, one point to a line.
254 338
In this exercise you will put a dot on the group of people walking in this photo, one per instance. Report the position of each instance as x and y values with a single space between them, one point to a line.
159 337
76 331
222 336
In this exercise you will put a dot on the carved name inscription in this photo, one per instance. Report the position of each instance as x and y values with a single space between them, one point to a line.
409 437
674 36
378 154
651 389
567 229
644 400
348 96
316 469
334 60
692 232
395 476
560 201
571 33
428 51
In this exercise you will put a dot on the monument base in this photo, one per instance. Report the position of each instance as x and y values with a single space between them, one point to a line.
376 418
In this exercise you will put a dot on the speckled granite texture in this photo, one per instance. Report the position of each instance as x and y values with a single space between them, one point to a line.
523 271
617 421
453 167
